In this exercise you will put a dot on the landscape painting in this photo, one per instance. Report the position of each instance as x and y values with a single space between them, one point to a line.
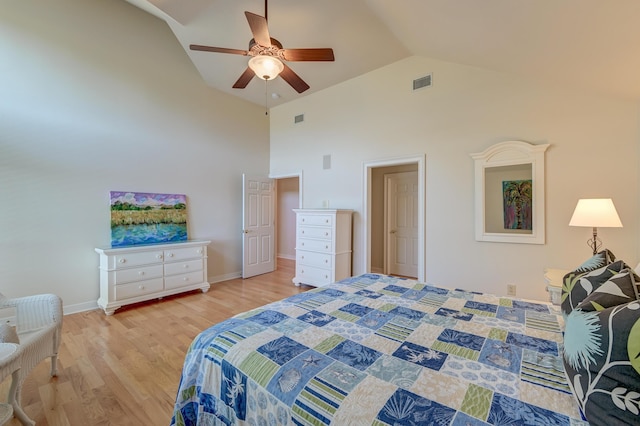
517 204
143 218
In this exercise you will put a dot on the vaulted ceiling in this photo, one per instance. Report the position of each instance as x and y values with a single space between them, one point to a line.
589 44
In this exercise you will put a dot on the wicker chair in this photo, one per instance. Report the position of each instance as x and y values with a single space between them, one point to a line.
39 328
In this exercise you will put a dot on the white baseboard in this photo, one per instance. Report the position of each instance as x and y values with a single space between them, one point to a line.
224 277
377 270
287 256
80 307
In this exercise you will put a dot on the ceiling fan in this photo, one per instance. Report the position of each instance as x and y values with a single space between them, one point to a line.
267 55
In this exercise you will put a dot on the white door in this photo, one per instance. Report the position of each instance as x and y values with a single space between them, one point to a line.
401 191
258 234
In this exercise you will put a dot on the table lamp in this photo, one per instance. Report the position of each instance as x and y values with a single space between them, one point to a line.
595 213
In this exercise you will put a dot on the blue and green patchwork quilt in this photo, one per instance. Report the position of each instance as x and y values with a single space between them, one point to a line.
380 350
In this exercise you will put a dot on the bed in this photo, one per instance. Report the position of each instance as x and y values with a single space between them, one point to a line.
381 350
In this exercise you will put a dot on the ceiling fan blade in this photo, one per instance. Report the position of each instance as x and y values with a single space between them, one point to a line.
218 49
244 79
293 79
259 29
321 54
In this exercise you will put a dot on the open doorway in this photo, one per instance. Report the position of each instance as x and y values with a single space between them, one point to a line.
287 199
379 232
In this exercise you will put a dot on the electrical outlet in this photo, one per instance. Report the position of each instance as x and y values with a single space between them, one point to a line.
511 289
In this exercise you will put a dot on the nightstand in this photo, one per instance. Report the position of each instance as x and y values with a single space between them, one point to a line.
553 278
9 365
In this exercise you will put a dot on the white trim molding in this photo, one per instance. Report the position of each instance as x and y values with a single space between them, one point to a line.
507 158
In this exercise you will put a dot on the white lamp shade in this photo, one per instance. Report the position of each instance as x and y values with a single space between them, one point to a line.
596 213
266 67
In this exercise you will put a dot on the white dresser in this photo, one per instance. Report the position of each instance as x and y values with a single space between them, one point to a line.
323 246
138 273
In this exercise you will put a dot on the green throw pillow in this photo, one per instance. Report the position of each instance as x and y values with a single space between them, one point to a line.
619 289
580 283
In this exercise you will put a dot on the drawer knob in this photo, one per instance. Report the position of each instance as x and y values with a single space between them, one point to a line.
326 234
326 276
326 221
185 266
327 247
326 261
141 287
122 260
170 255
302 271
302 257
185 279
302 232
303 219
199 251
141 273
302 244
158 256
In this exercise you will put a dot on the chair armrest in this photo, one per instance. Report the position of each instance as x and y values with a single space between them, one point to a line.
36 311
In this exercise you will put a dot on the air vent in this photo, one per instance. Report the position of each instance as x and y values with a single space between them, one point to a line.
298 118
422 82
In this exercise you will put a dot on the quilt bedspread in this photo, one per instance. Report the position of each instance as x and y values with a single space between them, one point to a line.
380 350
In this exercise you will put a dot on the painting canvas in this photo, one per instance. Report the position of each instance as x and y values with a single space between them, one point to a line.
517 204
142 218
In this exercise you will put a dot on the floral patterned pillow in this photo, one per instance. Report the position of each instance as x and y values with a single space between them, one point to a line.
579 284
621 288
601 357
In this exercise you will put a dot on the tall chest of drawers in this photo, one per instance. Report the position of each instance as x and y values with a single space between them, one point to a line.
323 246
138 273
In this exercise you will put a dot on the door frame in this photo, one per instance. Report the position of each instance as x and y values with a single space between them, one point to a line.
367 168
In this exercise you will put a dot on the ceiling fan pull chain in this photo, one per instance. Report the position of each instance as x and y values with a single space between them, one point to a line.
266 98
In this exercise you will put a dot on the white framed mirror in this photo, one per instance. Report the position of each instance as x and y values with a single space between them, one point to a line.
509 193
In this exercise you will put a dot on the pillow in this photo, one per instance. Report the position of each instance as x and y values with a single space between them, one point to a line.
596 261
619 289
579 284
601 360
8 334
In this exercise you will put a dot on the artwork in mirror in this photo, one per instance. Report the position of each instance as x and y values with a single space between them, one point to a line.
509 183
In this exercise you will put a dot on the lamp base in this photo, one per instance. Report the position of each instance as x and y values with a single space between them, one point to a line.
595 243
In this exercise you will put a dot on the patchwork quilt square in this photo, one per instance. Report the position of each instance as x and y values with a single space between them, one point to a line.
426 357
282 350
354 354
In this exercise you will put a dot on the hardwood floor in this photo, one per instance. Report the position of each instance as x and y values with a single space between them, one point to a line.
124 369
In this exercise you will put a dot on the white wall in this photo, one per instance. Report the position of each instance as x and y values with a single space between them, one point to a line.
98 96
593 153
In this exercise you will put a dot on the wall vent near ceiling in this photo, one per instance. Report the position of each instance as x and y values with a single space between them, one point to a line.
422 82
298 118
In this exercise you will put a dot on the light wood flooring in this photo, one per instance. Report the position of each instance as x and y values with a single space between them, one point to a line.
124 369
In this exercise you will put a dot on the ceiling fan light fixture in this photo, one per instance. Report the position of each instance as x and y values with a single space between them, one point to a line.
266 67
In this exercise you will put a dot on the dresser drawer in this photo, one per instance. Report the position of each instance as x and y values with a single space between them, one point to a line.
123 276
313 275
183 267
183 253
309 258
183 280
319 232
139 288
127 260
314 245
315 219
